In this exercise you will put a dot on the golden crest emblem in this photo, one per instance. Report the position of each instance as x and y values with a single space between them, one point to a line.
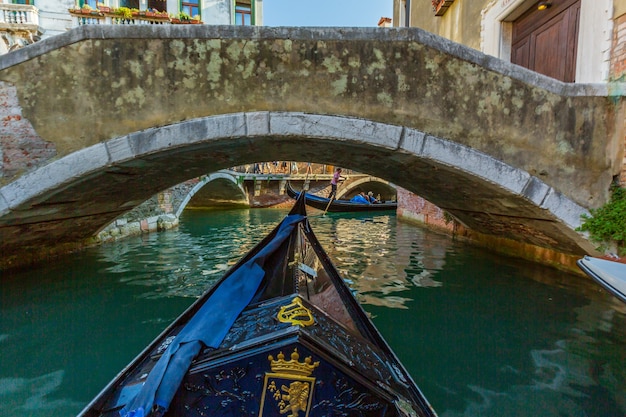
288 389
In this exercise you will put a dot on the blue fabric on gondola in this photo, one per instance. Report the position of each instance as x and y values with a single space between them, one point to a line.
208 326
359 199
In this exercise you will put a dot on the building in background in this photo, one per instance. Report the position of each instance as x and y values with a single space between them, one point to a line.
578 41
23 22
385 22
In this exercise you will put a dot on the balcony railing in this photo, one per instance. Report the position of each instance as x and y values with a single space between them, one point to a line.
19 16
97 17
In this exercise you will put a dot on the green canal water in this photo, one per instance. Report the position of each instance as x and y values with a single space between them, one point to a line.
482 335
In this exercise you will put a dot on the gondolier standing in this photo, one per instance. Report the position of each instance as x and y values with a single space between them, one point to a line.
333 183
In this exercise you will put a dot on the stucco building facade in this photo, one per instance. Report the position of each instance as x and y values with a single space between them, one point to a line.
498 27
23 22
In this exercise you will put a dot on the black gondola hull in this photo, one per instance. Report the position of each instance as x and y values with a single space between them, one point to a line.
303 347
340 206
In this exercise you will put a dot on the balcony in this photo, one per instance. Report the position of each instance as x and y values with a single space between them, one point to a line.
19 17
106 16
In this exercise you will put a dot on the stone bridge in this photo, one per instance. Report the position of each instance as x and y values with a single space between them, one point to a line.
218 188
97 120
228 188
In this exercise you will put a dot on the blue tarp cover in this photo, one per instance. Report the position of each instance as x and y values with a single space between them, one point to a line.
208 326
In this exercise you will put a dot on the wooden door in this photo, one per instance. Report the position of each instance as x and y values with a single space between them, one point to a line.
546 40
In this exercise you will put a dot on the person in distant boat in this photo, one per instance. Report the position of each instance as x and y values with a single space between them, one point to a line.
371 198
360 198
333 183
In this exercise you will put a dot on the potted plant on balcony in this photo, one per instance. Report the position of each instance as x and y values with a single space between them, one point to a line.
196 19
184 17
124 12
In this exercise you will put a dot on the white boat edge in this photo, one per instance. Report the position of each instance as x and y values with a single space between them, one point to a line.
611 275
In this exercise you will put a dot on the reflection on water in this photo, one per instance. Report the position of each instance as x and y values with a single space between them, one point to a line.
481 334
185 263
21 396
381 258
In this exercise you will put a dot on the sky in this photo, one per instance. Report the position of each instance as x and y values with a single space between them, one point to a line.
349 13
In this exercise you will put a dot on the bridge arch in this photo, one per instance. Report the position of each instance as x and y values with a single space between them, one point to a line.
72 198
232 186
358 183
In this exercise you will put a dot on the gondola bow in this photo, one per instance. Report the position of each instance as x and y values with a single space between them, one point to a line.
279 335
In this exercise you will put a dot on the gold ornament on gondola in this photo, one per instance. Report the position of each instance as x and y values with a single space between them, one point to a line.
296 314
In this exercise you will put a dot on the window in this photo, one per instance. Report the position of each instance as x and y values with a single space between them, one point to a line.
91 3
23 2
243 14
405 13
159 5
131 4
191 7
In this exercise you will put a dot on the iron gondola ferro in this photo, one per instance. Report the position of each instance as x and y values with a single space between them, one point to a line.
280 334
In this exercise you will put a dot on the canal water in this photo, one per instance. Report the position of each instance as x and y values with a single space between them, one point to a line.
482 335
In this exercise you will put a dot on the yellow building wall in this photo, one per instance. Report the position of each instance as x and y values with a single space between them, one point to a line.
619 8
460 23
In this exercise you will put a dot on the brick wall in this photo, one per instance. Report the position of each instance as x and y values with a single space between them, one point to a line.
618 54
21 149
618 70
414 207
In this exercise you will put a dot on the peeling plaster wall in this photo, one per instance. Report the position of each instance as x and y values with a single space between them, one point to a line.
21 149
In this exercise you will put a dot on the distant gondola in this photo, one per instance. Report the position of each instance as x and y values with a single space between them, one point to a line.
321 203
611 275
279 335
